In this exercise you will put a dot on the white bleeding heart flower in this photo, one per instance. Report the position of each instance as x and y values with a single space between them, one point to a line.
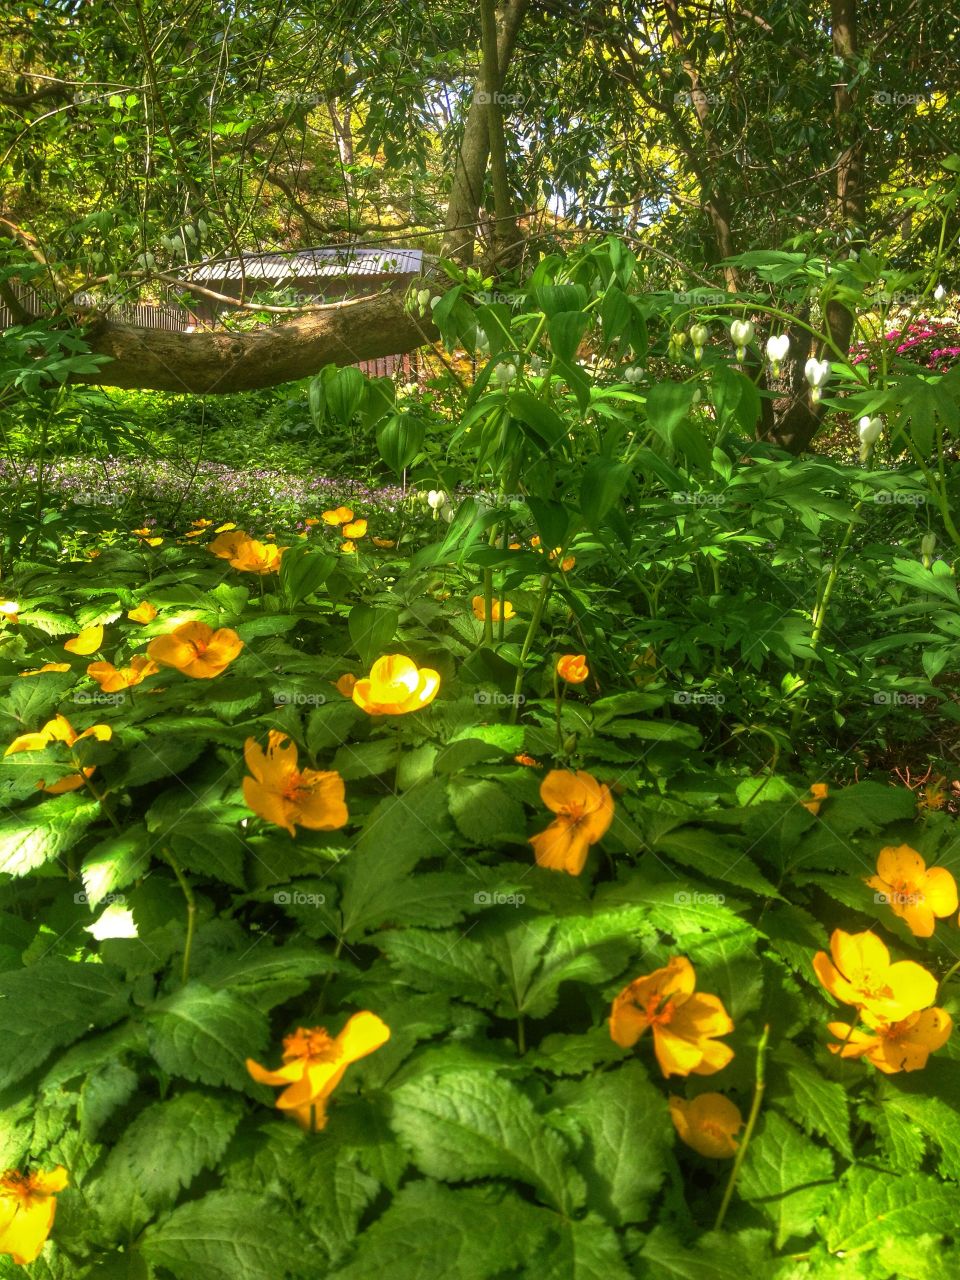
939 293
447 514
505 373
817 373
869 429
436 499
633 374
699 336
778 345
741 334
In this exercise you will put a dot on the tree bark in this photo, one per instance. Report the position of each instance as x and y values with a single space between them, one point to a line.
466 194
221 363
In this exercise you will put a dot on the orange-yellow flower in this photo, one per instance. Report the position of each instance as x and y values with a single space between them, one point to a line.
818 793
224 528
144 612
527 761
573 668
59 729
146 535
287 796
47 666
354 529
88 641
339 515
708 1123
480 611
201 523
228 544
395 686
9 611
684 1021
566 564
113 679
584 809
196 649
384 543
314 1063
916 895
861 974
311 521
348 548
28 1203
257 557
894 1046
345 684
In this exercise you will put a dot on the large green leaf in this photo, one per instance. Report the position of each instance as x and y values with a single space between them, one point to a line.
786 1176
207 1036
228 1235
472 1124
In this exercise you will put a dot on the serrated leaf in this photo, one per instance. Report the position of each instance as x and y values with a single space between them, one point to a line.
786 1176
48 830
228 1235
472 1124
207 1036
868 1207
51 1004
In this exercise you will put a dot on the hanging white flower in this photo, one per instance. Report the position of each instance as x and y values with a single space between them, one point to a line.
817 373
436 499
869 432
741 335
777 347
504 374
699 336
939 293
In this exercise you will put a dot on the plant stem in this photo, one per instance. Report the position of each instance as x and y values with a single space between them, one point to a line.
527 644
758 1088
191 914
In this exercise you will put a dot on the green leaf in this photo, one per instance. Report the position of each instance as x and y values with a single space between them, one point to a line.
400 440
817 1104
435 1231
400 832
303 571
485 812
565 329
868 1207
545 426
442 962
48 830
228 1235
207 1036
114 863
602 486
719 861
628 1129
163 1150
371 630
787 1177
52 1003
588 1250
472 1124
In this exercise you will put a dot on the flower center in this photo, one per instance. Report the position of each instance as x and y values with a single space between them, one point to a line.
313 1043
660 1010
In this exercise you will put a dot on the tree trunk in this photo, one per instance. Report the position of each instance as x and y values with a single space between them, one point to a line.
466 194
221 363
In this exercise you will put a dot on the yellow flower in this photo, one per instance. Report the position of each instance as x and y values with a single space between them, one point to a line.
196 649
818 793
224 528
144 612
355 529
480 612
584 809
9 611
311 521
287 796
228 544
395 686
708 1123
257 557
684 1022
348 548
88 641
145 535
345 684
314 1063
573 668
384 543
340 515
47 666
915 894
28 1204
113 679
894 1046
527 761
200 524
566 564
59 729
861 974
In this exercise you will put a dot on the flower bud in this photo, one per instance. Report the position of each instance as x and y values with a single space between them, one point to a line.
928 544
699 334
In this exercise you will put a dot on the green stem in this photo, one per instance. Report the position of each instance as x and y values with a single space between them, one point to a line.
758 1088
945 979
191 914
527 644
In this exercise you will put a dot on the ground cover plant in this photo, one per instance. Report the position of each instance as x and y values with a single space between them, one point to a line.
497 820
